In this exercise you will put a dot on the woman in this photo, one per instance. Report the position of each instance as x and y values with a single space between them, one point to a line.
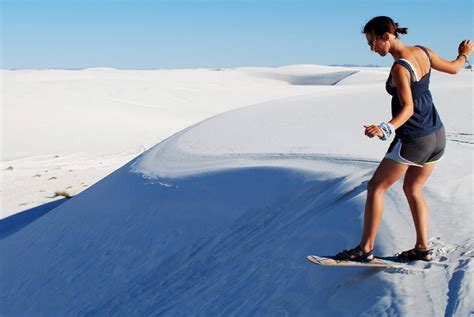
419 134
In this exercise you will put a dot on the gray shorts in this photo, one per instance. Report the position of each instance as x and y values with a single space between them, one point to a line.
418 151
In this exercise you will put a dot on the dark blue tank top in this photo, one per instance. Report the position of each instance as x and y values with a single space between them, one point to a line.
425 119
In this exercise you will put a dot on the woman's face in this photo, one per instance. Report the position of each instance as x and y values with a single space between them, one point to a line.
378 44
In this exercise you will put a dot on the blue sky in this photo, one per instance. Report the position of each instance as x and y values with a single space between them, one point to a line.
216 33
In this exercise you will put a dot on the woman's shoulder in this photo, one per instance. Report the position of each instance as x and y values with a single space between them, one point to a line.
399 67
414 50
426 49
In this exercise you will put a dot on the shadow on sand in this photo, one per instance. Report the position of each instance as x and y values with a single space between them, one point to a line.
16 222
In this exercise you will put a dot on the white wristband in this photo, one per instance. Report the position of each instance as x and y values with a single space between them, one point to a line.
388 129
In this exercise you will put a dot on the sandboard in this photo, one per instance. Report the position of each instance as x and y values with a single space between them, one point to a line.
331 261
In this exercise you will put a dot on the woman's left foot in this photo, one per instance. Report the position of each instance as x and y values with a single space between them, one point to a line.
355 254
415 254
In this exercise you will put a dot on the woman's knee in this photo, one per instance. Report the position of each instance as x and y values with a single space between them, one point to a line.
376 186
412 189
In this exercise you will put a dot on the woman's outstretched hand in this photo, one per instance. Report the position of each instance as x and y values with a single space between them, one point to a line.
465 47
373 130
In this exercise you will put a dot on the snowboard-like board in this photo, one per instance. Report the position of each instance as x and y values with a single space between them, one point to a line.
331 261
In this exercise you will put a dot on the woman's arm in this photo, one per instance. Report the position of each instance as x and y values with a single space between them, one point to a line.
451 67
401 80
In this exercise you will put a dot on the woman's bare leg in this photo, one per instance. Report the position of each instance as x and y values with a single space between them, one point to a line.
385 175
415 179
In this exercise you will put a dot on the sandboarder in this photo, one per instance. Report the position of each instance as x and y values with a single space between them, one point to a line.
420 137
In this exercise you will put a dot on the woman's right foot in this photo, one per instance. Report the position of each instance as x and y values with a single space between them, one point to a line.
355 254
415 254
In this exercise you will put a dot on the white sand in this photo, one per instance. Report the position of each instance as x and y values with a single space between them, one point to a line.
98 119
218 217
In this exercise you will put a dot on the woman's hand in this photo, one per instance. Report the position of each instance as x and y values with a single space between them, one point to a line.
465 47
373 130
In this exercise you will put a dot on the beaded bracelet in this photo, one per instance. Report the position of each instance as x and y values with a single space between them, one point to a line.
463 55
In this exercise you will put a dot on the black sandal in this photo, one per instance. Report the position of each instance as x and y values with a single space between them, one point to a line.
415 254
356 254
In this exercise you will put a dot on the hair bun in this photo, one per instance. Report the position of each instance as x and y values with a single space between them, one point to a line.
401 30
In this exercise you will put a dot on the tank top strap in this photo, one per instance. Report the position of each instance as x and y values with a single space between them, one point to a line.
408 66
426 52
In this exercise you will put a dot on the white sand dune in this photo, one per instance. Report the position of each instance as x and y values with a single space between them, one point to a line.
100 112
302 74
218 217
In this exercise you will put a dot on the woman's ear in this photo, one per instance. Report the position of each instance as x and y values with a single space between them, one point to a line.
386 36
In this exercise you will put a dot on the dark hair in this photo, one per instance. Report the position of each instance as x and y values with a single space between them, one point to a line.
381 24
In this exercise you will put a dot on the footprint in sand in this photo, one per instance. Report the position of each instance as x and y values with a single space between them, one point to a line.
462 138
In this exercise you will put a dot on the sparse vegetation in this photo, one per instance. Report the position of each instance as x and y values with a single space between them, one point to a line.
9 168
62 193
